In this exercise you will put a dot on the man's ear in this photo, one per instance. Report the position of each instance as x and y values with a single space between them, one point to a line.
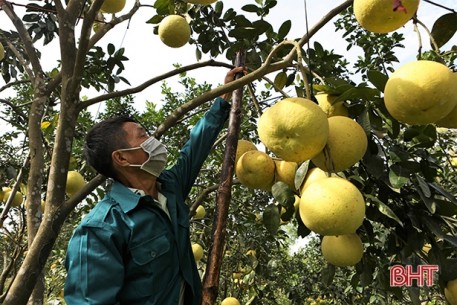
118 158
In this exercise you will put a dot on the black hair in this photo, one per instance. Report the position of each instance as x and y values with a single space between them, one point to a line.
101 140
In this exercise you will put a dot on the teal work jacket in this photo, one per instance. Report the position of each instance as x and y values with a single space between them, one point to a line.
127 250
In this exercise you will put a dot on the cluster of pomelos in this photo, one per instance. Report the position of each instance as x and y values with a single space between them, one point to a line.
420 92
75 182
296 130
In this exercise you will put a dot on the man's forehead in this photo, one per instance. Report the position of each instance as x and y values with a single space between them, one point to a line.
133 127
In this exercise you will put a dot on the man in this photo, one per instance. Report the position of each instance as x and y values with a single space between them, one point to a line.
134 246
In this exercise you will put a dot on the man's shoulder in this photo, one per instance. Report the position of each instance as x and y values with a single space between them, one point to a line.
98 215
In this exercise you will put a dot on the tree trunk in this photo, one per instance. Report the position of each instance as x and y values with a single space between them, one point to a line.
211 278
35 179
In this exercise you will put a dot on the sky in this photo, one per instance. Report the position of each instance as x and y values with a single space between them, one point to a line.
149 57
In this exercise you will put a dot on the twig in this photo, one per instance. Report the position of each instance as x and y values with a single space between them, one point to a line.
434 44
274 86
254 100
439 5
13 192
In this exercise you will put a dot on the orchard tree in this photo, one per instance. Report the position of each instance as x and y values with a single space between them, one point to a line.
407 175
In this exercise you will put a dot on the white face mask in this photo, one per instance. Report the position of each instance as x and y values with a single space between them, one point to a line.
157 156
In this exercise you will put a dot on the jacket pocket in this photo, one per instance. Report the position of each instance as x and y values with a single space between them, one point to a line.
150 250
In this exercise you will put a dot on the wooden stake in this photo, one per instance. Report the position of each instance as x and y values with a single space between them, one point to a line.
223 196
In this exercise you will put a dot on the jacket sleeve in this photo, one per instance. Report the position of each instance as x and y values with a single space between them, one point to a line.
94 267
197 148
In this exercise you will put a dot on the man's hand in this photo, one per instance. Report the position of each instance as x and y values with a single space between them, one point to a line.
230 77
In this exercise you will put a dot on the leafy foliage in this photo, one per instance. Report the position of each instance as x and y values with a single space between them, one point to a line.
406 176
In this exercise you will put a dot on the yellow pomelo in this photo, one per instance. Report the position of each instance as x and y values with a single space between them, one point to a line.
294 129
285 172
201 2
2 51
18 197
256 170
346 145
112 6
251 252
197 250
426 248
230 301
174 31
332 206
420 92
450 292
237 275
380 16
449 121
200 212
75 182
342 250
312 175
454 162
242 147
326 102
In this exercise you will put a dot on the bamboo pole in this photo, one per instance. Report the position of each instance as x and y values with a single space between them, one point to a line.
215 254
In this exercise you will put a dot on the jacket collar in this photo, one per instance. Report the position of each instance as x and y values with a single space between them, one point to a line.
125 197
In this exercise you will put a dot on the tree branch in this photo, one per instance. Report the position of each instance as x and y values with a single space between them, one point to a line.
26 39
141 87
11 84
84 39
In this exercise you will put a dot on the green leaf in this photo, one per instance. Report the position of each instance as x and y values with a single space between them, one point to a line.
364 121
243 33
328 274
261 26
111 49
374 165
445 193
163 6
271 218
384 209
445 208
414 294
251 8
398 176
219 7
300 91
242 21
421 136
283 194
280 80
444 29
155 19
284 29
378 79
424 186
363 93
300 174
